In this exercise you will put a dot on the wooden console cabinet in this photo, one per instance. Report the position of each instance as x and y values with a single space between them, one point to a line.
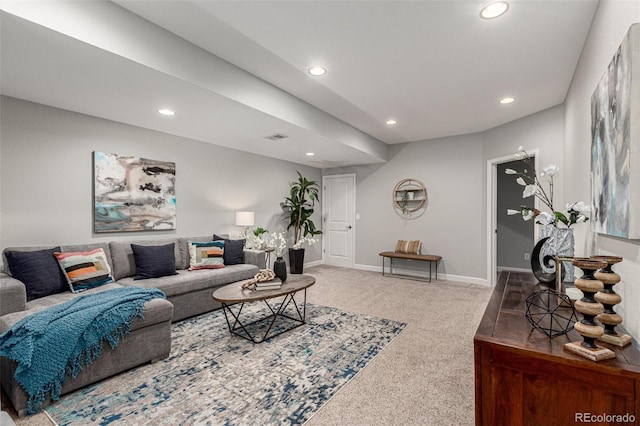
522 377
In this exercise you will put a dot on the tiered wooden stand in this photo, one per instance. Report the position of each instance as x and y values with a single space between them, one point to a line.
589 307
609 298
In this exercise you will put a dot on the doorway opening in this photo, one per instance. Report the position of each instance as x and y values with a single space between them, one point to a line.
510 239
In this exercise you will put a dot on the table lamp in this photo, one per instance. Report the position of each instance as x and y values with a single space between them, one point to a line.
245 219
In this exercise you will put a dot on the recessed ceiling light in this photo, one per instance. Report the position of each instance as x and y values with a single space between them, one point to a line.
507 100
391 122
165 111
317 71
309 154
495 9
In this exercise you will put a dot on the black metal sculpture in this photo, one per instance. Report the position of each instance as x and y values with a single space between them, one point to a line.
548 262
550 312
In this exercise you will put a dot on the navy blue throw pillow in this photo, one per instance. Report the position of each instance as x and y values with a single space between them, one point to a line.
39 271
233 252
154 261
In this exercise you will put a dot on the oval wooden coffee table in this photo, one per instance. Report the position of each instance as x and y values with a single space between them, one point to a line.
233 294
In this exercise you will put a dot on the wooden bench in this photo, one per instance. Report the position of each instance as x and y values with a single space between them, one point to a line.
421 257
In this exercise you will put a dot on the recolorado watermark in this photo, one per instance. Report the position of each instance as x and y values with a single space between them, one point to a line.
604 418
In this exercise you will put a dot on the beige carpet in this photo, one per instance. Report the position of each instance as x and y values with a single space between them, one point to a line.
424 377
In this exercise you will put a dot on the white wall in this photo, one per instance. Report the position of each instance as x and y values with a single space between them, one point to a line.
541 132
452 171
47 181
611 22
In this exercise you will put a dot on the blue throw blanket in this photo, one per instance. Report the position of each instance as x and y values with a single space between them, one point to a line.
63 339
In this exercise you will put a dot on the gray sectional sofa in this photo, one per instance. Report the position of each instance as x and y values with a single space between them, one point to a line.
189 293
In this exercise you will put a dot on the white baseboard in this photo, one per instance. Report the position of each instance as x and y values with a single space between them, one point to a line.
510 269
464 279
441 276
367 267
314 263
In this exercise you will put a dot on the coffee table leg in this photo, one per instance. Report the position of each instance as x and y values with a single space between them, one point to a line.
233 328
275 313
226 307
301 315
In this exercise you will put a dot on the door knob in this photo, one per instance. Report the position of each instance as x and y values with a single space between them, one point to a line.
349 226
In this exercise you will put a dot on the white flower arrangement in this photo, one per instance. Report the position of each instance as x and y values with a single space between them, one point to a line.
575 212
279 243
253 242
311 241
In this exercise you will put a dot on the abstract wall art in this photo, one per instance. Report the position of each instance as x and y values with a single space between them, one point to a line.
133 194
615 143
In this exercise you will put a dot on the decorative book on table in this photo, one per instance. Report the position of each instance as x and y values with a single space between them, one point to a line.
268 285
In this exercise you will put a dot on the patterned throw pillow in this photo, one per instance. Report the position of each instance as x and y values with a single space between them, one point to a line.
408 247
86 269
206 255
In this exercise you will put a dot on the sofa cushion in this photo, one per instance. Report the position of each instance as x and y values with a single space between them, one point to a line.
123 262
155 311
188 281
154 261
206 255
38 270
85 269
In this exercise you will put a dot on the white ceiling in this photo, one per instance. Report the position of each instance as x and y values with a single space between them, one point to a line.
434 66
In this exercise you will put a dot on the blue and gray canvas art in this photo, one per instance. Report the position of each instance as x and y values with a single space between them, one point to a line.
133 194
612 181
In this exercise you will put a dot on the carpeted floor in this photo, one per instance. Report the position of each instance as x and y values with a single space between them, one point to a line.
423 377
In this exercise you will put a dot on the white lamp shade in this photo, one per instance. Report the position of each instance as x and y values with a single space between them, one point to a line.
244 218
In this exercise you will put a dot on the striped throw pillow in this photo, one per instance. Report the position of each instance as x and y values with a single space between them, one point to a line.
408 247
206 255
85 270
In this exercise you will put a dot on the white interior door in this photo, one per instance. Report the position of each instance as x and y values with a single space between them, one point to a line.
338 220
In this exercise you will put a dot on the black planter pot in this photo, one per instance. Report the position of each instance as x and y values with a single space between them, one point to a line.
296 260
280 269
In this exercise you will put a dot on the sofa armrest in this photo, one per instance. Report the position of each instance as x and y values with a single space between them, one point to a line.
255 257
13 295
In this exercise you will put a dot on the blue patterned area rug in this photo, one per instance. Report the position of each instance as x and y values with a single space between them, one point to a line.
212 377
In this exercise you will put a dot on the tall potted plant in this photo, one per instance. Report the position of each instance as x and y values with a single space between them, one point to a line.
300 206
